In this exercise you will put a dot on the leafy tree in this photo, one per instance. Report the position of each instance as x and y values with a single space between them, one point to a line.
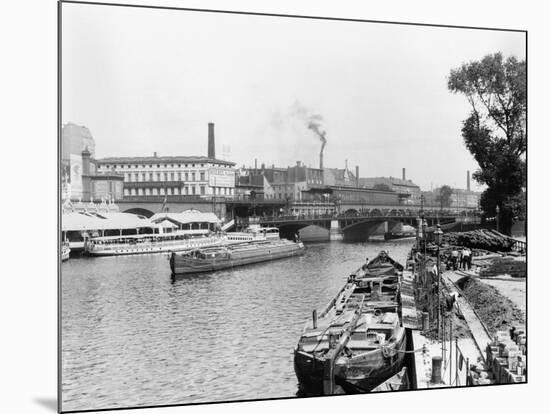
495 131
444 196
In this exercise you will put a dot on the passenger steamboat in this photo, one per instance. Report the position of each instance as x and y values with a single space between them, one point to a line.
167 242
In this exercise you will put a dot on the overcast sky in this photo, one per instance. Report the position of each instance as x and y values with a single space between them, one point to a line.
146 80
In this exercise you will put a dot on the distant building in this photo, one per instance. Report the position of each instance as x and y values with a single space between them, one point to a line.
80 180
409 191
459 198
192 176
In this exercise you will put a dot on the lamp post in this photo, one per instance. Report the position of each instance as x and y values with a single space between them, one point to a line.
437 237
497 210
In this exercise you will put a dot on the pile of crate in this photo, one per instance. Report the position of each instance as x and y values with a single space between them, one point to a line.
506 356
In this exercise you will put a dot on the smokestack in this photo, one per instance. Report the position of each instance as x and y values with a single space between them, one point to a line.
255 164
404 176
468 180
211 141
321 154
357 176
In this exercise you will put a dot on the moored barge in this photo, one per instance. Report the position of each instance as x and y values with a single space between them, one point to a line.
217 258
358 337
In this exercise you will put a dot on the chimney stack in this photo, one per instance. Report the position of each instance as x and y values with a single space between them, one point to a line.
155 154
468 180
357 176
255 164
211 141
404 176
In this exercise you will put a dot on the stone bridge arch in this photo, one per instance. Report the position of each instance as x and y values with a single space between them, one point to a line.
307 231
360 230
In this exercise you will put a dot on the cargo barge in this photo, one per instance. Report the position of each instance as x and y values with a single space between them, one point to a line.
217 258
357 342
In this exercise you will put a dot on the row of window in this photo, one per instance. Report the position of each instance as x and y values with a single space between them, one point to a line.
166 176
186 190
128 166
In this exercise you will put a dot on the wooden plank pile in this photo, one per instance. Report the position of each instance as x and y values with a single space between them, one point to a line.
505 266
485 239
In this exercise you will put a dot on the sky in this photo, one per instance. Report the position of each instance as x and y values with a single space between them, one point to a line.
145 81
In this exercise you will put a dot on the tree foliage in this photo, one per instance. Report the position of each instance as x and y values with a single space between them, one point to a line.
444 196
495 130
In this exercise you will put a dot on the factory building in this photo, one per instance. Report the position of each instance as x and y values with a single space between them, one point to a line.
176 177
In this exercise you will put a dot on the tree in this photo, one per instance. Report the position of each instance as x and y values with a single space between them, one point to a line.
444 196
495 131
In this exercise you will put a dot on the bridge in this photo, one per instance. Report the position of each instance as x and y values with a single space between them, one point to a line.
359 227
348 220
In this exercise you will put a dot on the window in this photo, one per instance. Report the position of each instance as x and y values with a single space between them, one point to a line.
135 176
193 190
155 191
126 192
193 176
179 176
133 191
202 189
144 177
161 190
202 175
172 176
147 191
169 191
176 191
158 176
186 176
140 191
186 190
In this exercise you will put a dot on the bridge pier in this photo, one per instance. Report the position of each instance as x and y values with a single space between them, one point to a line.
335 232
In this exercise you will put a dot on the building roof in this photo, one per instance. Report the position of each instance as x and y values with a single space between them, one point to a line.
153 160
85 221
386 180
185 217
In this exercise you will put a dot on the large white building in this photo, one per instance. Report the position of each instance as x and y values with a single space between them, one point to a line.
185 176
197 176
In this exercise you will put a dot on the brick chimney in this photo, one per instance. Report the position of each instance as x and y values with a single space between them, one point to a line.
211 141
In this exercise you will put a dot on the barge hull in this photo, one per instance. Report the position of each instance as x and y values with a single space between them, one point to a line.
180 266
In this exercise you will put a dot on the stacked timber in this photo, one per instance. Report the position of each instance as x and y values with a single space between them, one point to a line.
505 266
490 240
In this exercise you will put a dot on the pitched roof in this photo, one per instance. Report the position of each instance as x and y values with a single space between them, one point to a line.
165 159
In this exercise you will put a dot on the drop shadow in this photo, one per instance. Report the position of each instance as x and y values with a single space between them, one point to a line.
49 403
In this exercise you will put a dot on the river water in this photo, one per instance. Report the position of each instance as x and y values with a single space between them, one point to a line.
133 336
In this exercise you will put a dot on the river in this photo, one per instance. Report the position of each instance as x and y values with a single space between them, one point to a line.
133 336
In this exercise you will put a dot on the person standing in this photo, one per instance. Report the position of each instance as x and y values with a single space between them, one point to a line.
454 258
